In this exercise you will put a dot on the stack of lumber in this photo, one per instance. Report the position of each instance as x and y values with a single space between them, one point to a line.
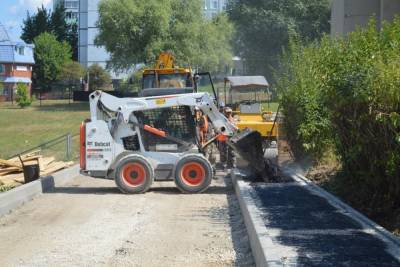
11 172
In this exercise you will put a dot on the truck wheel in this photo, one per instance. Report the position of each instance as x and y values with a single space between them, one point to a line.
134 175
193 174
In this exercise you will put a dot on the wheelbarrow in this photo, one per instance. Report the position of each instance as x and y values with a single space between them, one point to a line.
31 171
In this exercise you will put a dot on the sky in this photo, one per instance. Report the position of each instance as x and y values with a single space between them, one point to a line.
13 12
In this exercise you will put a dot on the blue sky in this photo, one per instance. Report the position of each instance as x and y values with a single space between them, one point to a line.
12 12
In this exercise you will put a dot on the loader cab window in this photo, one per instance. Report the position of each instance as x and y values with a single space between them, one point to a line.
149 81
175 80
249 99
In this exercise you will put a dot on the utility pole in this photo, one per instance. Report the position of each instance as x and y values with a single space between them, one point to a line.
87 83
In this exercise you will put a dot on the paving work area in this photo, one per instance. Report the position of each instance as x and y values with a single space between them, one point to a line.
299 227
89 222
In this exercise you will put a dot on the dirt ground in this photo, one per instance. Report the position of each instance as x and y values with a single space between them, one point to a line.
90 223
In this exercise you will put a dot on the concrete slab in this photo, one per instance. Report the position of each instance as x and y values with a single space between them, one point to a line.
307 228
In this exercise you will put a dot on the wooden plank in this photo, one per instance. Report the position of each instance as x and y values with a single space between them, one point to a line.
12 180
43 162
56 166
10 163
9 170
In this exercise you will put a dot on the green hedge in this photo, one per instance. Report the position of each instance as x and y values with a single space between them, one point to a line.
343 95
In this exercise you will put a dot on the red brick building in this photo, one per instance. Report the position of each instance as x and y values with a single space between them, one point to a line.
16 63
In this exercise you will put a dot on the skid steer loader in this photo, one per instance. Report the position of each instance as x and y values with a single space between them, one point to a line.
136 141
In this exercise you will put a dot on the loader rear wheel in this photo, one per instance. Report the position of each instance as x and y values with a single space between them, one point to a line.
193 174
134 175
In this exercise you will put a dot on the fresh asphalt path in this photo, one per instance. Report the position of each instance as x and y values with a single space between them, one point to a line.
318 233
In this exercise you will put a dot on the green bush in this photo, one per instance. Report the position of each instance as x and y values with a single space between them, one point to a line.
343 94
23 99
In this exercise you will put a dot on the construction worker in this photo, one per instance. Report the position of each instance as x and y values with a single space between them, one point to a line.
202 125
225 152
203 133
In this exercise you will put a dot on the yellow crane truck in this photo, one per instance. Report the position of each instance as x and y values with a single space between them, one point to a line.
166 75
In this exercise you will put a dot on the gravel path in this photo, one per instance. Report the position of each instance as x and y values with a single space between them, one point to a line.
89 222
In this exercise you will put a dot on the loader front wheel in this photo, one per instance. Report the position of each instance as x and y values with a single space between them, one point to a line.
193 174
134 175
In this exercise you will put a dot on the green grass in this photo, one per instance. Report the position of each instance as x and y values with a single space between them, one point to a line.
22 129
270 106
5 188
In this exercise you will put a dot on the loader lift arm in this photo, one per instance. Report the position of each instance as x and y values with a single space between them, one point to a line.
125 106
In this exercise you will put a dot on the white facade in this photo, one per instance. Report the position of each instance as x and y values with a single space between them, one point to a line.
89 53
347 15
213 7
71 8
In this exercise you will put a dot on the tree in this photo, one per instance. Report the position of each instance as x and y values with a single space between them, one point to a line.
98 77
136 31
58 23
72 72
72 38
22 96
34 25
52 22
264 28
50 57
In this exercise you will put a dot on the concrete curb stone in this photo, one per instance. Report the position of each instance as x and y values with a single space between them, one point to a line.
265 251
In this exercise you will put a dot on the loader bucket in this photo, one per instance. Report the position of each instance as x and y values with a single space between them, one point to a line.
248 144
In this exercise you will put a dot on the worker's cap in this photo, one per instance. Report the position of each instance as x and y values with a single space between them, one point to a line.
196 108
228 110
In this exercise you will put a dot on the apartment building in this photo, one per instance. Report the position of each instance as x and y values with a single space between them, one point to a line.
347 15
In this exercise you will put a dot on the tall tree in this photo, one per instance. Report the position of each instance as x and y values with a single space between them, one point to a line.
72 38
58 23
52 22
36 24
264 28
135 31
50 57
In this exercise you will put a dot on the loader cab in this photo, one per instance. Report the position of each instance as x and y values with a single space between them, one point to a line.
250 99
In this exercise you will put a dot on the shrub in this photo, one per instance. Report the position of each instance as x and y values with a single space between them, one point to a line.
344 94
23 99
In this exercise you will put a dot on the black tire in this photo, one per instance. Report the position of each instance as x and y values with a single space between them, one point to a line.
134 175
193 174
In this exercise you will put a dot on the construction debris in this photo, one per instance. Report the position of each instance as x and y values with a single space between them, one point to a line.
11 170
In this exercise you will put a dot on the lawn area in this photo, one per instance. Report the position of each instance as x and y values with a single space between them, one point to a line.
273 106
26 128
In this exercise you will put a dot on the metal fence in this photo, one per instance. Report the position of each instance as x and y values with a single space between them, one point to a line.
62 148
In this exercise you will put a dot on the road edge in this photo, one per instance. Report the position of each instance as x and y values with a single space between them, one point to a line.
262 245
26 192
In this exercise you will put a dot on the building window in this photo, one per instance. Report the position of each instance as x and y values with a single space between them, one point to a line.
71 4
22 68
20 50
215 4
2 69
72 15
